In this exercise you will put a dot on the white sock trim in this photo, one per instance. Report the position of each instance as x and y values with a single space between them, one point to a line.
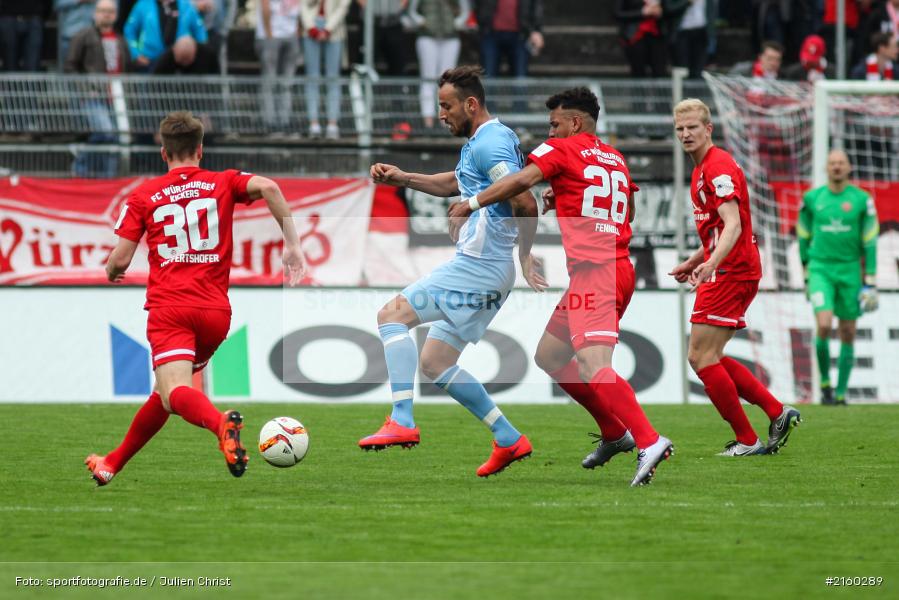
453 378
396 338
491 417
402 395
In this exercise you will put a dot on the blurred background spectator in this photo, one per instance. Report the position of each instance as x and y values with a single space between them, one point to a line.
98 49
391 41
213 13
856 12
878 66
645 30
788 22
765 66
694 36
154 25
324 32
437 45
22 33
187 57
510 30
72 16
813 64
278 49
884 18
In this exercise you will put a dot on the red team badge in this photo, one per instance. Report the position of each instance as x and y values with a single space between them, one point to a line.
592 186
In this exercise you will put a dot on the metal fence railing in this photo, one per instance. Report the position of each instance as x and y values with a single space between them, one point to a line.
52 103
118 115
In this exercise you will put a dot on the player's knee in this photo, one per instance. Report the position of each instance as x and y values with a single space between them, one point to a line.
386 314
823 332
587 369
431 367
698 359
164 398
847 334
547 361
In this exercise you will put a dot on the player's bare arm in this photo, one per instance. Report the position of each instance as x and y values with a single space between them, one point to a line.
507 187
730 214
524 207
439 184
682 271
120 260
549 200
292 257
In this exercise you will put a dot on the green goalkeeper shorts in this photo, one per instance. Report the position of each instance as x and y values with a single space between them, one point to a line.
835 287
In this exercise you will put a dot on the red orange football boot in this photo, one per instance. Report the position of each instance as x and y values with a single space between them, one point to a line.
100 472
503 457
229 443
391 433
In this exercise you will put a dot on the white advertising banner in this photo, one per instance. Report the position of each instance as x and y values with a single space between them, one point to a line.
322 345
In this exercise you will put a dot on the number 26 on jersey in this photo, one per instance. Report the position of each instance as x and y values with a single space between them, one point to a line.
608 188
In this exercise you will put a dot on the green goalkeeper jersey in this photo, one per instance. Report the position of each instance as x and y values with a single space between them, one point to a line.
838 227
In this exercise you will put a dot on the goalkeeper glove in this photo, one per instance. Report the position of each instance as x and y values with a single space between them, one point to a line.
867 298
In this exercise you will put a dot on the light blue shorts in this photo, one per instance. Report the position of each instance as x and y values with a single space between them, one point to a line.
462 296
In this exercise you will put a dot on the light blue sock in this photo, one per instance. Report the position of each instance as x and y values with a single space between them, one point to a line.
401 356
468 391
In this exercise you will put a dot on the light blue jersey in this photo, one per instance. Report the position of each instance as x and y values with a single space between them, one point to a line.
489 155
462 296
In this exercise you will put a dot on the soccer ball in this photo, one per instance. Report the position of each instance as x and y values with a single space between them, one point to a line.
283 442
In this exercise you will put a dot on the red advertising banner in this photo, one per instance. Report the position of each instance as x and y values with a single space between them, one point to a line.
789 199
60 231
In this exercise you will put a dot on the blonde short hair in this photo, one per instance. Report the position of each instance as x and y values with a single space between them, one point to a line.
694 105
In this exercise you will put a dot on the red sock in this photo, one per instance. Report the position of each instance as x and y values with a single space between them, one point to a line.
619 395
146 423
194 407
751 389
569 380
723 393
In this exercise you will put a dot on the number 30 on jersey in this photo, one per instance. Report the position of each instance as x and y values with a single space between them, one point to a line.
609 186
191 238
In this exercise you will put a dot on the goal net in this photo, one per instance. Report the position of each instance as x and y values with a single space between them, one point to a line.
780 133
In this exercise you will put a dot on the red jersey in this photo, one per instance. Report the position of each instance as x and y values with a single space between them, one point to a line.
592 185
187 215
718 179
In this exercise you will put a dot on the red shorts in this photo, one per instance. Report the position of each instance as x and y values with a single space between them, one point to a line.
595 300
184 333
724 303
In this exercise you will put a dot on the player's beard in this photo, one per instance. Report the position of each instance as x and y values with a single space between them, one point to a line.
464 129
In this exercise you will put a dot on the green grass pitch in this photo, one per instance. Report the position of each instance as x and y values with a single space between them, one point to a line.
418 524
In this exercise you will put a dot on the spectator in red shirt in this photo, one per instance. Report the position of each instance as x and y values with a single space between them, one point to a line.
644 28
509 29
99 49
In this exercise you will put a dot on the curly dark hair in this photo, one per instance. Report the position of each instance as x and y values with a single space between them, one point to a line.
467 81
579 98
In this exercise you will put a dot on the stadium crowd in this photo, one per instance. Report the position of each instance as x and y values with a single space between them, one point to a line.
791 39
